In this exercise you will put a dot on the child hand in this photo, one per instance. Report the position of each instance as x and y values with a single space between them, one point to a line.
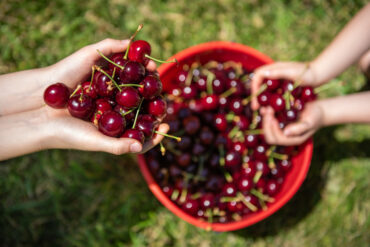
311 119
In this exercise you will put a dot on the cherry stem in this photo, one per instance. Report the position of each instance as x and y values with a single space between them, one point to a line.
175 195
183 195
172 150
228 92
221 150
229 199
210 78
271 163
128 112
326 87
75 91
246 203
110 78
250 97
228 177
230 117
234 131
106 58
163 149
299 80
92 76
254 132
237 66
189 78
261 196
209 215
287 95
161 61
137 114
257 176
253 125
131 39
279 156
131 85
211 64
263 204
169 136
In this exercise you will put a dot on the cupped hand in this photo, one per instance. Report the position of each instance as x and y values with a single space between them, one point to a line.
295 71
76 68
73 133
311 119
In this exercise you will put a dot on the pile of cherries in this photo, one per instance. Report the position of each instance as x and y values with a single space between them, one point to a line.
122 100
223 170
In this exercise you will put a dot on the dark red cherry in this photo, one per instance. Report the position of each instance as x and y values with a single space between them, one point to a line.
191 124
251 141
198 149
118 58
210 102
181 77
262 166
184 113
103 85
245 183
236 105
185 142
264 98
259 153
207 201
272 187
201 83
249 171
88 90
223 102
128 97
214 183
81 106
191 206
128 114
240 89
102 105
138 51
214 161
272 84
183 159
189 92
220 122
133 72
229 190
288 85
175 171
238 147
206 136
290 115
218 85
235 206
285 165
277 172
232 159
56 95
298 104
242 122
134 134
112 123
152 87
196 105
157 107
308 94
153 165
277 102
167 190
147 124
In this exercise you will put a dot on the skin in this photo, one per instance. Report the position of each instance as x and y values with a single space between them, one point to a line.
33 126
351 44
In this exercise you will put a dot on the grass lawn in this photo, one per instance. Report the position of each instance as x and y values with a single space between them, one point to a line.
73 198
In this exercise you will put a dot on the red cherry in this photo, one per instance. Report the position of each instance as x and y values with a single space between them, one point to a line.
118 58
103 84
245 184
201 83
272 187
88 90
210 102
264 98
229 190
157 107
81 106
128 114
191 125
133 72
128 97
112 124
189 92
147 124
102 105
232 159
181 77
220 122
272 84
191 206
138 51
207 201
236 106
134 134
152 87
308 94
277 102
56 95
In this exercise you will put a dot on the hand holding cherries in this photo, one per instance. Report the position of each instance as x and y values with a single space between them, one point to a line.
121 100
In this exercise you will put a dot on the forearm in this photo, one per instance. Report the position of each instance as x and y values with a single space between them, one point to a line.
22 91
351 43
353 108
22 133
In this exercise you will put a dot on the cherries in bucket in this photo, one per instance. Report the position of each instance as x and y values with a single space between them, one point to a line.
222 175
123 99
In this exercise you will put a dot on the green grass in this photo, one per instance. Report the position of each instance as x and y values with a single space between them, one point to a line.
72 198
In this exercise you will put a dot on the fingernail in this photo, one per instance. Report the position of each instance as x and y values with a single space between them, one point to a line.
267 73
287 132
135 147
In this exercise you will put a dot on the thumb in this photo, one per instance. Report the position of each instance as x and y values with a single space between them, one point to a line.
118 146
296 129
109 46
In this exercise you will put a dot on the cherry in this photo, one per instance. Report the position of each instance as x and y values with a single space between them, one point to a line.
175 171
198 149
290 115
238 147
223 102
196 105
214 183
220 122
147 124
181 77
128 114
249 171
239 87
272 187
128 97
102 105
88 90
112 123
236 106
277 102
133 72
277 172
308 94
242 122
201 83
117 58
214 160
134 134
259 152
285 165
81 106
232 159
104 86
185 143
183 159
191 206
288 85
245 183
229 190
153 165
262 166
272 84
138 50
251 141
167 190
152 87
56 95
264 98
207 201
184 113
210 102
191 124
189 92
206 136
235 206
157 107
218 85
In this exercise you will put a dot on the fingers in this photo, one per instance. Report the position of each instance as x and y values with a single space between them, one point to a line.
296 129
163 128
152 66
274 134
118 146
109 46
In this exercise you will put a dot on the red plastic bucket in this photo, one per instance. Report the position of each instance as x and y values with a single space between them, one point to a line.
228 51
